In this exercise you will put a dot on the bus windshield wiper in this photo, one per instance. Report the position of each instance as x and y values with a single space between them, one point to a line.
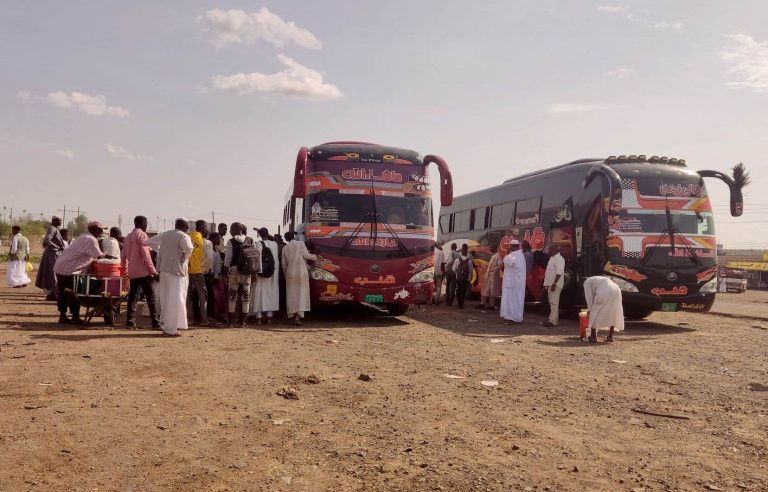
670 226
647 257
355 233
400 243
672 232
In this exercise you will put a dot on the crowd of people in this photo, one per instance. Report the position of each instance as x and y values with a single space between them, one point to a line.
196 278
506 278
186 278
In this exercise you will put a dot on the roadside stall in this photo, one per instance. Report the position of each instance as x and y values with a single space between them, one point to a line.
102 290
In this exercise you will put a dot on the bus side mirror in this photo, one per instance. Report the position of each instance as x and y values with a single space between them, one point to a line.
446 181
737 200
300 174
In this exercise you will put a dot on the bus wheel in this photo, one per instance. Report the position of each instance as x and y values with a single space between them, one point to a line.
397 309
637 312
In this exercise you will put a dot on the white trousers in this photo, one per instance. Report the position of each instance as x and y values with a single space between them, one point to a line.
554 303
172 292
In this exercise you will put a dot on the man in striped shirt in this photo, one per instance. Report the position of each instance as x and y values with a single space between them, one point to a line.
77 257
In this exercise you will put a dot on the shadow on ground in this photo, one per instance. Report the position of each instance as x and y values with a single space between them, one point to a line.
471 322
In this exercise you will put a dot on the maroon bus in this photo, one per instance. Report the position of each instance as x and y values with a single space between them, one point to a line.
366 211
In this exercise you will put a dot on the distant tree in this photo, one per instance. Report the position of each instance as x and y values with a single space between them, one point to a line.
78 226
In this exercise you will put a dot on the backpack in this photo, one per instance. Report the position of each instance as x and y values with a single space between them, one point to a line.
449 265
462 271
267 262
248 261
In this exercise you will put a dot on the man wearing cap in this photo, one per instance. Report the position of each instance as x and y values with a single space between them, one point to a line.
76 258
54 244
173 251
513 285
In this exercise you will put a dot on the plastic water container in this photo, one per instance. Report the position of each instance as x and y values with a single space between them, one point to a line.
106 268
583 323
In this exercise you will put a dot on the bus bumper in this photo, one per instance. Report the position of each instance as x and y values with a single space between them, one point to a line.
700 302
334 293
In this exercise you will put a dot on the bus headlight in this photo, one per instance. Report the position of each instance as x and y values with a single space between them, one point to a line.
709 287
320 274
624 285
423 276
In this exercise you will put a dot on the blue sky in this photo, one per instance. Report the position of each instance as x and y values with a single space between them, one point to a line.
183 108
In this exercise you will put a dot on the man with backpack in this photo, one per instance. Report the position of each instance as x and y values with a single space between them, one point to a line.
463 268
240 257
265 293
450 276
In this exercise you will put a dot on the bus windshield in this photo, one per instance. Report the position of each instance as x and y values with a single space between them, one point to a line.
332 206
655 222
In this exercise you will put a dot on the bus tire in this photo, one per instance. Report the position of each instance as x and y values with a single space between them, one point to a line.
397 309
632 312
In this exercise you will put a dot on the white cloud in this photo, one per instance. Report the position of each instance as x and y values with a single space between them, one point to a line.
620 73
640 17
86 103
225 27
295 81
24 96
66 153
573 108
123 153
747 58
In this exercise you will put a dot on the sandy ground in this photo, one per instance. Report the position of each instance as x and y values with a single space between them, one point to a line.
130 411
752 304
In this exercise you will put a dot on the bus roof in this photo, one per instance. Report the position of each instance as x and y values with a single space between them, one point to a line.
366 150
612 160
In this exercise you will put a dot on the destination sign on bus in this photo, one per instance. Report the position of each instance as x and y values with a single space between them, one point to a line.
359 173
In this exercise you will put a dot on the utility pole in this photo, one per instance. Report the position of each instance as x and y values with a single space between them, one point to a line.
157 224
120 221
63 215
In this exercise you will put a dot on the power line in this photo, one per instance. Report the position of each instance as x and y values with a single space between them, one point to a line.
244 217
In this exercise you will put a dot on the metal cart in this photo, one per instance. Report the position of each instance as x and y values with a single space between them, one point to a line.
101 296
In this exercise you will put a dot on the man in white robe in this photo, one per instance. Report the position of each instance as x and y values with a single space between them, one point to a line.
265 294
604 304
17 260
513 285
294 263
173 251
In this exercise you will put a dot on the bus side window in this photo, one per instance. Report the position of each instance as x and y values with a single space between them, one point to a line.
503 215
461 221
445 224
300 206
479 219
528 211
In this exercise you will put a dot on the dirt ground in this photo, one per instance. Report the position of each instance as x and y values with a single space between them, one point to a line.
128 410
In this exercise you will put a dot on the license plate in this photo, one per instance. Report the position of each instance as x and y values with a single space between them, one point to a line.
670 307
374 298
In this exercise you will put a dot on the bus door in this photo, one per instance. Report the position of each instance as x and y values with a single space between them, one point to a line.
562 232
